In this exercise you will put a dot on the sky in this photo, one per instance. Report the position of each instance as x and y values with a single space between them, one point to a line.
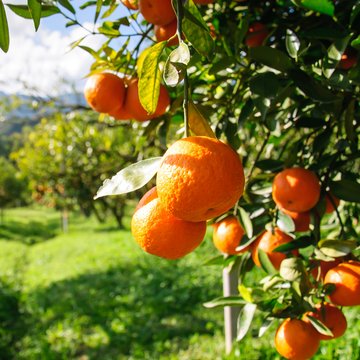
40 62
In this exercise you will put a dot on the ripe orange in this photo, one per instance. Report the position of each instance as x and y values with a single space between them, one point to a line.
256 34
165 32
348 60
131 4
200 178
121 113
332 317
346 278
162 234
148 196
133 106
267 242
325 266
157 12
301 219
296 189
296 340
329 205
105 92
227 235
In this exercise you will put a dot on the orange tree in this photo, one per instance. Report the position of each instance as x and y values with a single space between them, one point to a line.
276 81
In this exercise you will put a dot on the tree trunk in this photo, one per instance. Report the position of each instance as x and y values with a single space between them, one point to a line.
231 313
65 221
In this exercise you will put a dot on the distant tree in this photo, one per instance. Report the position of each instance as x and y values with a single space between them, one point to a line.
12 186
67 156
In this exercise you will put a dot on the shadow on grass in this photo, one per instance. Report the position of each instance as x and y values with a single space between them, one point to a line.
30 232
140 311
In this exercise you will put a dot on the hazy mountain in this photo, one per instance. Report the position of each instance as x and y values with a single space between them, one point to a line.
28 115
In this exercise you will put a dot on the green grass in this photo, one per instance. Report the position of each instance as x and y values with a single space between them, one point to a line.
93 294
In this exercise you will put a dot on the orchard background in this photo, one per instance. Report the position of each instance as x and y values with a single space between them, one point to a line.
278 81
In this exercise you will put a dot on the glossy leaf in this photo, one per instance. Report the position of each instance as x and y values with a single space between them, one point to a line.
322 6
337 248
265 326
292 43
271 57
285 222
225 301
150 78
269 165
246 222
333 56
265 262
244 320
196 30
198 125
67 5
35 11
292 269
311 87
23 10
176 65
4 29
346 189
319 326
131 178
245 293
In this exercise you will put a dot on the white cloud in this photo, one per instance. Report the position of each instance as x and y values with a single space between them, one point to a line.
41 60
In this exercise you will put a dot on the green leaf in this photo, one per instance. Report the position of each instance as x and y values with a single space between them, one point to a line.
150 78
310 122
23 10
285 222
346 189
245 293
292 269
244 320
337 248
66 4
292 43
299 243
131 178
322 6
270 165
355 12
356 43
4 29
176 65
333 56
99 4
265 262
265 326
198 124
216 260
312 88
35 12
319 326
225 301
271 57
196 30
246 222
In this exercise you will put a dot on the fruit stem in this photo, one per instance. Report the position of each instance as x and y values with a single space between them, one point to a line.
180 16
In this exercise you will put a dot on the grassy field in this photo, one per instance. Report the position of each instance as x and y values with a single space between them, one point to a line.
93 294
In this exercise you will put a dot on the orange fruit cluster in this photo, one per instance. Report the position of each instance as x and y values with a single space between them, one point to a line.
199 178
110 94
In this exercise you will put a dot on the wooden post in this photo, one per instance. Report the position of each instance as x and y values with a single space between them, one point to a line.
231 313
65 221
